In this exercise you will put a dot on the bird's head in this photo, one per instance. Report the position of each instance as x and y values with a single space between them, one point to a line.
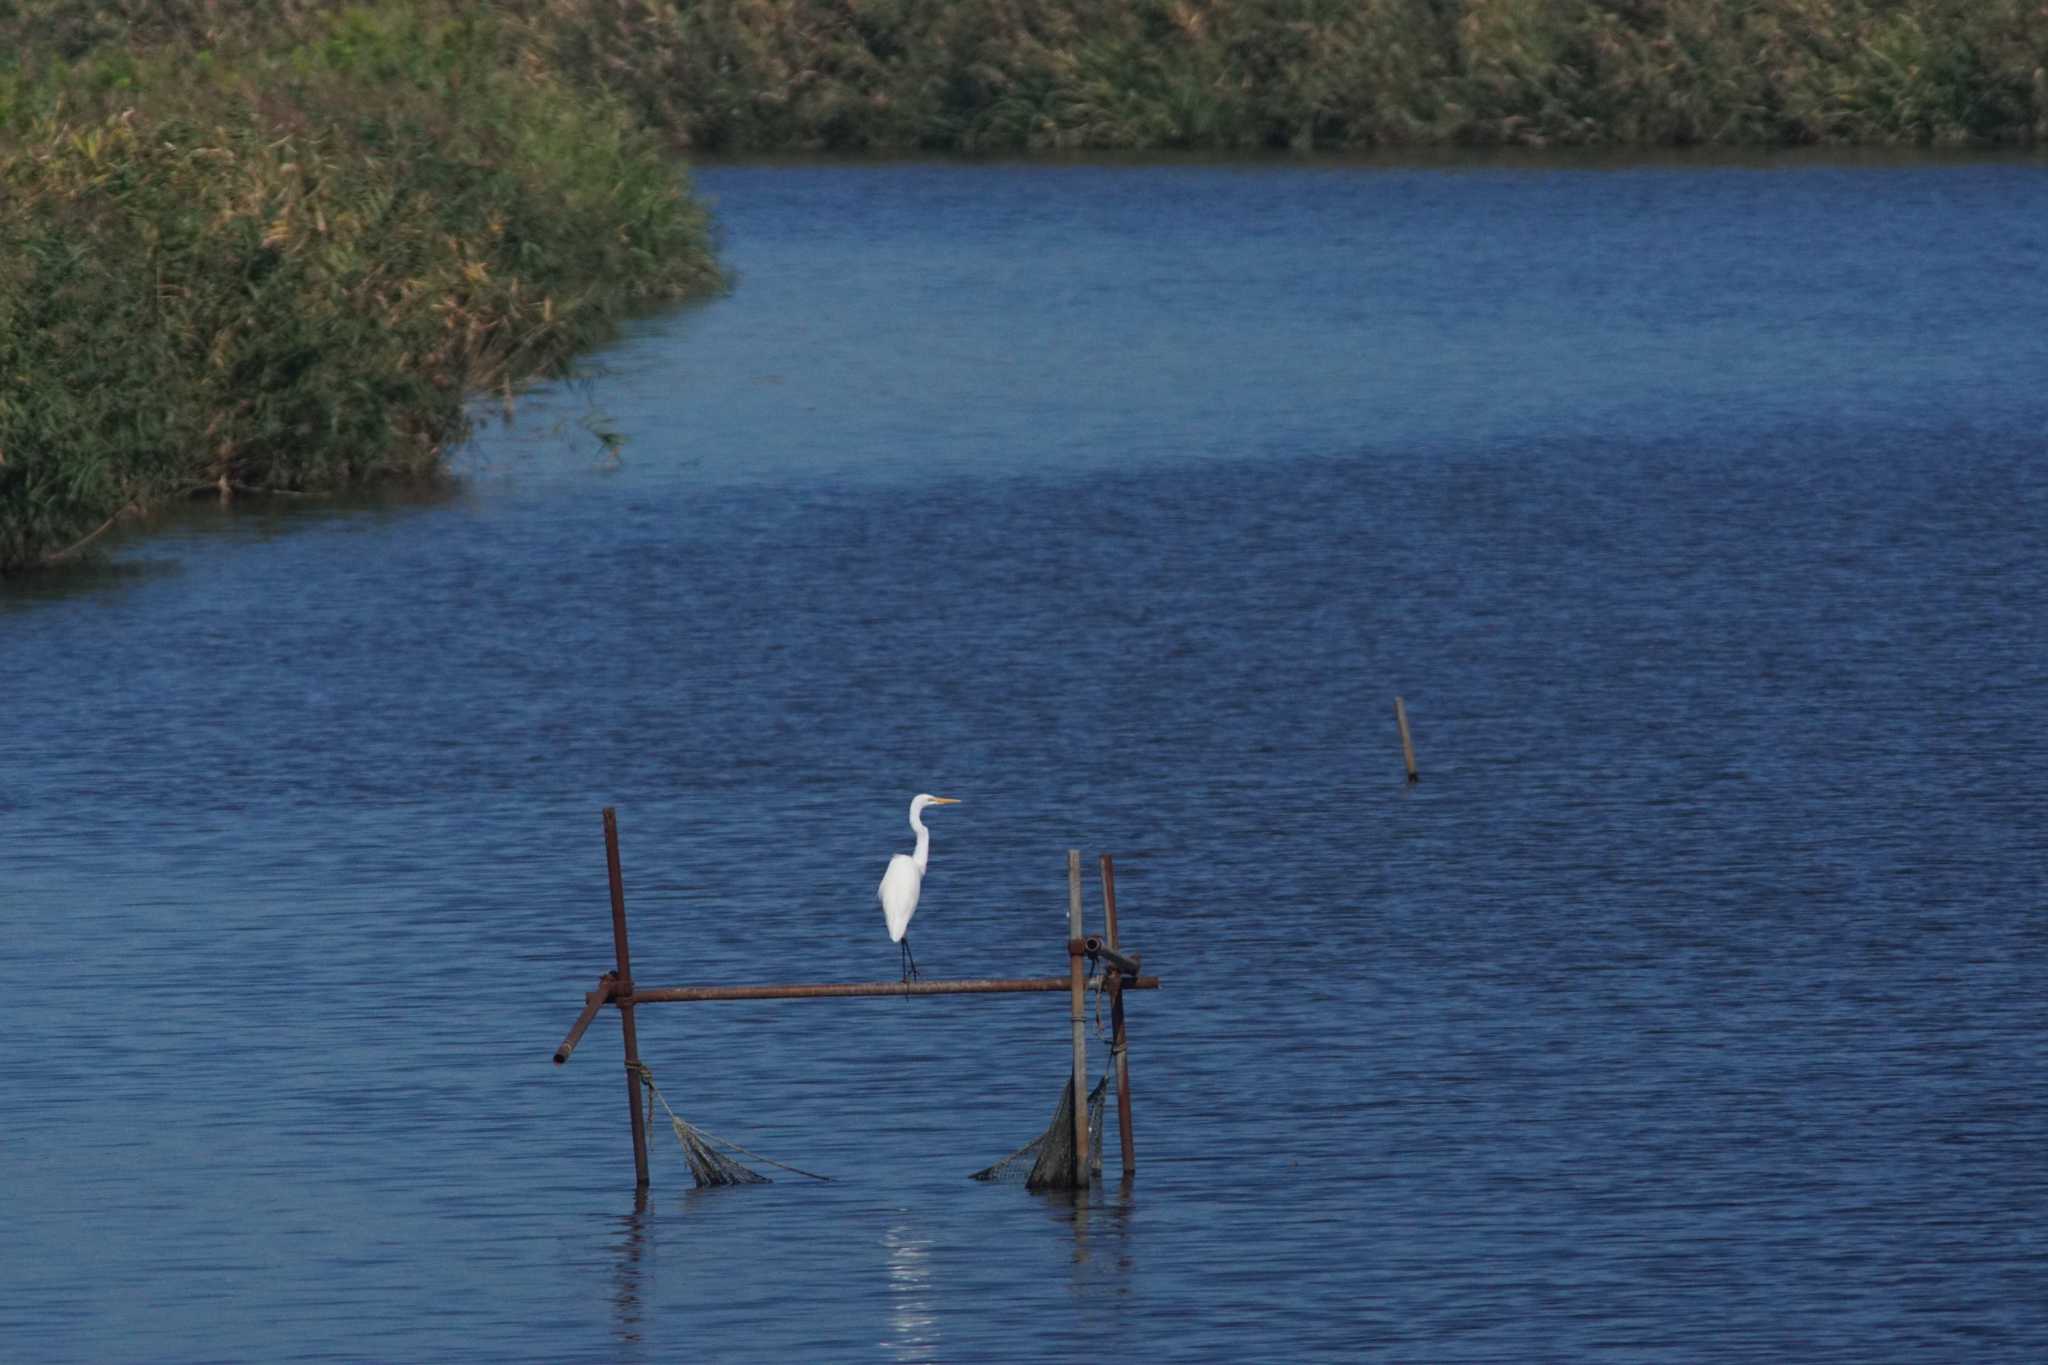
928 800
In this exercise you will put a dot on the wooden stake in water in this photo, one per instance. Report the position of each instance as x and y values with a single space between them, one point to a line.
1407 744
623 992
1079 973
1116 1021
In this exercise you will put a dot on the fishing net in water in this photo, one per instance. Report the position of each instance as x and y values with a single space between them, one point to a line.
1047 1161
708 1165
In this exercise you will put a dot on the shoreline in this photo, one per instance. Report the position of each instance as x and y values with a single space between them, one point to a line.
253 253
292 269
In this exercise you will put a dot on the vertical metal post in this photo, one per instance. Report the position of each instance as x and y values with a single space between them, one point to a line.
1080 987
623 992
1407 744
1116 1023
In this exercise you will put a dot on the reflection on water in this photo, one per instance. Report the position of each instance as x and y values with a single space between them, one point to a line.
1100 1217
629 1247
913 1309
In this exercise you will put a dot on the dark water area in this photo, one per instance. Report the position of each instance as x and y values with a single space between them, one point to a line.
1689 1007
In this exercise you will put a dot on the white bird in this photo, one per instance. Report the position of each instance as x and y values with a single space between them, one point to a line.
898 891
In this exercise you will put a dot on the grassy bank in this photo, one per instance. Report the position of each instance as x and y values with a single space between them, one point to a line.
278 247
279 244
982 76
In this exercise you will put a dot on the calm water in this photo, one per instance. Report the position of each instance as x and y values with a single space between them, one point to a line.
1691 1007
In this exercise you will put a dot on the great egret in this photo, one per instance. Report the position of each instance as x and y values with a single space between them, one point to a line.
898 891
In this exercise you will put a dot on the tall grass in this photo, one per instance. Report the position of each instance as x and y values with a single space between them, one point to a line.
287 267
742 76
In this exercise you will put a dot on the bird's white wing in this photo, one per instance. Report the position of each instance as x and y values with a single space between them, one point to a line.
898 893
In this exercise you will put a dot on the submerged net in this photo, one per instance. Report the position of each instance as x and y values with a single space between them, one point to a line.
708 1165
1047 1161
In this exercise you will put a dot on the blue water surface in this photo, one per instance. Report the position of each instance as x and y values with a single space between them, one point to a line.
1689 1007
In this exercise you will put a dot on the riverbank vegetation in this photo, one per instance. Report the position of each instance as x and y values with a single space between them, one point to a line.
279 248
281 245
1005 76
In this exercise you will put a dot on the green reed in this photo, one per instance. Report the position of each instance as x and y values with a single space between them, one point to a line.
290 266
741 76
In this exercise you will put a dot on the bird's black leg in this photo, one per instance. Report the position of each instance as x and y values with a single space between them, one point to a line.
909 961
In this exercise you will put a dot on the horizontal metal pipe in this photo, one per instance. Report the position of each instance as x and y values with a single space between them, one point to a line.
1096 946
667 994
592 1003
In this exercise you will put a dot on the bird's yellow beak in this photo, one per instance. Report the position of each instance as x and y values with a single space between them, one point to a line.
945 801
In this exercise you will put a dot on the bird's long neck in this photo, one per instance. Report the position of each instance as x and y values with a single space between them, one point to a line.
923 855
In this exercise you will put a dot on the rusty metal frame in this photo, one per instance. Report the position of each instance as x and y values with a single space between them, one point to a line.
1117 973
